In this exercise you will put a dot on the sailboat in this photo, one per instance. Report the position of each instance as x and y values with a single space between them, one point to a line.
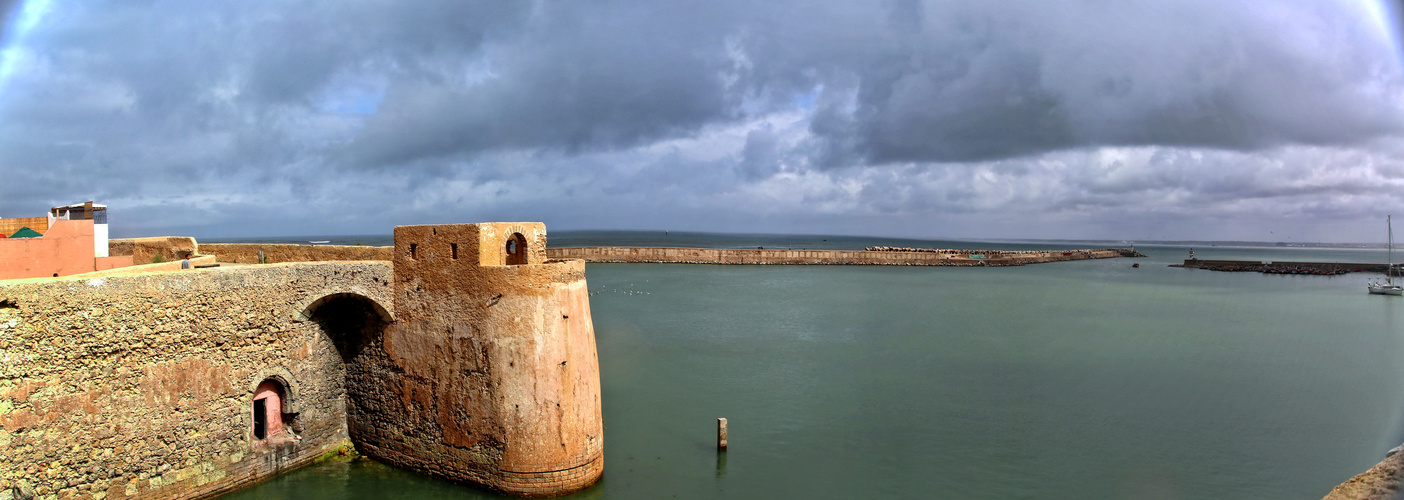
1388 287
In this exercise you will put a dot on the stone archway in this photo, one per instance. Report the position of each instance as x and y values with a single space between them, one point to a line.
313 302
356 325
515 249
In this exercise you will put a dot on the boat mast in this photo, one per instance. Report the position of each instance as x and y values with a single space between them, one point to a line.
1389 268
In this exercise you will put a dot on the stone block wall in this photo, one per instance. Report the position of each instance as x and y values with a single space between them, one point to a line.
139 386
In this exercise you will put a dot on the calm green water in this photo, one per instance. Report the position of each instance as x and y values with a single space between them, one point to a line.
1067 380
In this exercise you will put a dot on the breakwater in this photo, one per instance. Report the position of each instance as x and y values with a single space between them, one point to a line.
1309 268
878 257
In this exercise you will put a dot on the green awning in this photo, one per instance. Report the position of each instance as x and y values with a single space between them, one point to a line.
26 232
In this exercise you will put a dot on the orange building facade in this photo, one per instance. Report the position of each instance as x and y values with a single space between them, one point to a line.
67 248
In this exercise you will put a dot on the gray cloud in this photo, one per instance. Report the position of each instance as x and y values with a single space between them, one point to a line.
834 114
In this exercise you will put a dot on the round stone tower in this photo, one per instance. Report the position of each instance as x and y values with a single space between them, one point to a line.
494 378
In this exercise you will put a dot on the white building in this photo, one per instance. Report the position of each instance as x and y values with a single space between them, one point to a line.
85 211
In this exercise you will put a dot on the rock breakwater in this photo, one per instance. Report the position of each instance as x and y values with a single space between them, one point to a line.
879 256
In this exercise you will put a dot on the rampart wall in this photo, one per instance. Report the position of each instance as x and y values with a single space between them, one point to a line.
832 257
154 249
248 253
137 386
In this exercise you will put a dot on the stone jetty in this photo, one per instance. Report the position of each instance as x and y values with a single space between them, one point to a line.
874 256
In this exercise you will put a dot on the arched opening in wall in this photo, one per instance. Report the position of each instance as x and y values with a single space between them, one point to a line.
355 326
269 420
352 323
516 250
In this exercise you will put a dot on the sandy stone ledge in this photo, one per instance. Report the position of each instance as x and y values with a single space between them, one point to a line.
1381 482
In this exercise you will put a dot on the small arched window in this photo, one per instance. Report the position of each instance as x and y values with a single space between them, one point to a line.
268 411
516 250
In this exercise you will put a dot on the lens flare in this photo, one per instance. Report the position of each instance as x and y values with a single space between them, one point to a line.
22 21
1384 18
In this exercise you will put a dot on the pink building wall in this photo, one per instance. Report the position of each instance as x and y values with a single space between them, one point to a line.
66 249
273 409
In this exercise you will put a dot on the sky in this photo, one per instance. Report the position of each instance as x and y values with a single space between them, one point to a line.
1099 119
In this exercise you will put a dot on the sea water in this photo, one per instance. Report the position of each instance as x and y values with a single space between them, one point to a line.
1086 379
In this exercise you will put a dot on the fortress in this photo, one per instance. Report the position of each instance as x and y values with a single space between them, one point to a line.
468 356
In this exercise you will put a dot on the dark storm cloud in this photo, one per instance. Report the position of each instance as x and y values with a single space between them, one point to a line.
578 76
905 80
982 81
891 107
909 81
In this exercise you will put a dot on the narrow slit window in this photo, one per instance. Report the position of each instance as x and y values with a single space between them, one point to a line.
454 248
413 250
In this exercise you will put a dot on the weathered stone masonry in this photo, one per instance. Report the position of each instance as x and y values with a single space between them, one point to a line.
140 386
501 383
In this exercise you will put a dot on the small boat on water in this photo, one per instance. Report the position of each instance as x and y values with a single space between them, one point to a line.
1387 287
322 242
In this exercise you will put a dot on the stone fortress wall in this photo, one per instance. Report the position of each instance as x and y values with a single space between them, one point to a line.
460 359
138 386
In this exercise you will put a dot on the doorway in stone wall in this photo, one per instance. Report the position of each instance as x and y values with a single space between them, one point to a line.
268 417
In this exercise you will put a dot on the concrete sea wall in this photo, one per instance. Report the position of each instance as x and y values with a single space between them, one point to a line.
831 257
139 386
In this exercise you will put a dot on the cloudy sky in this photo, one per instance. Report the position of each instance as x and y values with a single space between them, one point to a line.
1119 119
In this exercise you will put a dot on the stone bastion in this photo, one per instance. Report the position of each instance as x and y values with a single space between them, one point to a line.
469 357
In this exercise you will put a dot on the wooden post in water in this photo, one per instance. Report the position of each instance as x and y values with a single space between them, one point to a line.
721 434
